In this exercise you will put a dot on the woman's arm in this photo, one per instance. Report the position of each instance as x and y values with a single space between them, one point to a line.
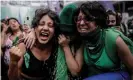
4 35
16 59
29 39
3 38
74 64
125 54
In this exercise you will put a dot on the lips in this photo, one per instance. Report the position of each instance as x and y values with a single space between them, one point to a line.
83 29
44 36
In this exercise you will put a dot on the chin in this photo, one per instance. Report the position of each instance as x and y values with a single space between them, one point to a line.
43 42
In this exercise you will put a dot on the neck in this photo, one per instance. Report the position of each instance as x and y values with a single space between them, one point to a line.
42 52
44 47
94 36
15 32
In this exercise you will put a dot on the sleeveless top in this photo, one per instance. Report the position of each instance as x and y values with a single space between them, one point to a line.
99 62
33 67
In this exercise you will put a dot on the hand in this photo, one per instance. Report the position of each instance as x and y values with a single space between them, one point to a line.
29 39
15 54
5 27
63 41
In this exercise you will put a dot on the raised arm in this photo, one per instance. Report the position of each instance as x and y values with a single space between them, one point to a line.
74 63
16 59
29 39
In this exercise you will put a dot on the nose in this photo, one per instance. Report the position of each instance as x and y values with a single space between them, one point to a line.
82 22
110 23
45 27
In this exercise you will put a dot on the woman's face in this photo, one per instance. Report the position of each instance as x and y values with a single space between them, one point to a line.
26 28
111 20
45 30
84 25
14 25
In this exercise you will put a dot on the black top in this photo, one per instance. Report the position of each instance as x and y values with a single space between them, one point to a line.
37 68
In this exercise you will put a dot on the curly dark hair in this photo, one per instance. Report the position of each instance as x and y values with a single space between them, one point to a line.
39 13
94 11
110 12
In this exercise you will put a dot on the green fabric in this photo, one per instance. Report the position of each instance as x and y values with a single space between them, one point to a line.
61 69
67 19
101 64
108 60
111 36
15 41
110 44
27 59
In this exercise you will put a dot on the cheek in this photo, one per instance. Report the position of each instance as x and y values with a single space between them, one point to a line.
52 31
36 32
11 27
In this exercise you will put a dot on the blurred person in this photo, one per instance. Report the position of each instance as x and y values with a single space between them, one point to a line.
4 33
44 61
26 28
10 31
130 29
70 42
105 49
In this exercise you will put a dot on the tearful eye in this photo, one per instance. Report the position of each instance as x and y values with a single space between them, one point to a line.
50 24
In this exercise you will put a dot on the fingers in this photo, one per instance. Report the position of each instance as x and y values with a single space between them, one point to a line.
62 40
32 43
21 40
16 51
61 36
29 41
25 39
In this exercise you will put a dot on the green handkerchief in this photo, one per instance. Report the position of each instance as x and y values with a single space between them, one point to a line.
27 59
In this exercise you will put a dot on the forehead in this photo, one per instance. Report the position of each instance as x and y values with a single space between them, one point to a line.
81 13
112 17
46 18
12 20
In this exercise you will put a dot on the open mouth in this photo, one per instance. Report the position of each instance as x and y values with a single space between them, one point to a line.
83 29
44 36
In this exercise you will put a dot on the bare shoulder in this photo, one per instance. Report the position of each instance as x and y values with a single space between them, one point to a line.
122 47
119 41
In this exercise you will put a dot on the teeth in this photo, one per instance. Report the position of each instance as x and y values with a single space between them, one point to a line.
83 29
45 34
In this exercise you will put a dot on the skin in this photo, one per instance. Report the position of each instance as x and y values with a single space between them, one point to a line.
122 49
17 52
74 63
14 25
3 34
26 28
112 18
83 27
45 27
